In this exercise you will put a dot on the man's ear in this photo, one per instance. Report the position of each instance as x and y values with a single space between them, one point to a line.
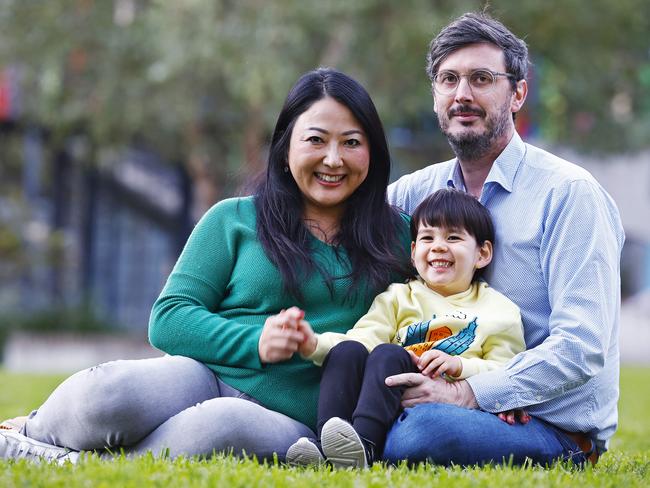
519 96
435 103
484 255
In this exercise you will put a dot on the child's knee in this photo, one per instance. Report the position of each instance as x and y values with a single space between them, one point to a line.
349 349
390 352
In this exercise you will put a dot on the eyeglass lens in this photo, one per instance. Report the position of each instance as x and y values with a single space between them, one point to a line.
480 80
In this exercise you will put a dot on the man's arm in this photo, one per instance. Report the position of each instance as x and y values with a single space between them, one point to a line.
579 255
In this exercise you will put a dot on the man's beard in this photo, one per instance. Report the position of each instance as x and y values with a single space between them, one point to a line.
470 146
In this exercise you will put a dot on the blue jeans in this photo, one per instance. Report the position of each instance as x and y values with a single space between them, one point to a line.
446 434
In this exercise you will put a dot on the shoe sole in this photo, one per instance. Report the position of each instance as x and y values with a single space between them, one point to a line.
304 453
342 445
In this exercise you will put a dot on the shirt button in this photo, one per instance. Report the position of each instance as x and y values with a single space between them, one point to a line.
538 398
497 405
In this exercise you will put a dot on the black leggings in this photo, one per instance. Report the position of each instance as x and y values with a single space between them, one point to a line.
352 388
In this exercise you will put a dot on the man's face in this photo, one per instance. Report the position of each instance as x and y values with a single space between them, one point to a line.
477 124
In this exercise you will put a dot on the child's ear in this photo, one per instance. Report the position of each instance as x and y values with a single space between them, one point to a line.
413 253
484 255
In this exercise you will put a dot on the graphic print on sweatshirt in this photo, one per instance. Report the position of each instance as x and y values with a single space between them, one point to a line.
420 339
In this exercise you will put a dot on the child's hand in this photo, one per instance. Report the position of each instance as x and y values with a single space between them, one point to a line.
310 341
434 363
414 357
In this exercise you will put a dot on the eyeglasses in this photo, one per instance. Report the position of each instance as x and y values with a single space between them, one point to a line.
480 81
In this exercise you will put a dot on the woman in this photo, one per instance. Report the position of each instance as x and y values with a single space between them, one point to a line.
317 236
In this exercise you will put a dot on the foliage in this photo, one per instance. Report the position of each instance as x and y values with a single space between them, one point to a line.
591 83
202 80
627 463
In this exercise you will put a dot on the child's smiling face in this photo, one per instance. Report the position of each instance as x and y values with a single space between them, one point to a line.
446 259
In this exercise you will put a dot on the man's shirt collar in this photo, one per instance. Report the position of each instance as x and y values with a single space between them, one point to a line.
503 169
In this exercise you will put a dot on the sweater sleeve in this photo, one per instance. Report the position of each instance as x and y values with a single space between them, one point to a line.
498 348
185 319
378 326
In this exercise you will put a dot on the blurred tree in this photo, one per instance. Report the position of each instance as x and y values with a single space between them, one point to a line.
201 81
592 68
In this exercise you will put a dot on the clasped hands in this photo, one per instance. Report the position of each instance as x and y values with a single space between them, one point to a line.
283 335
288 332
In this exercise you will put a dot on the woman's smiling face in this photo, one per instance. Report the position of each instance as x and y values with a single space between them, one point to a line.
329 156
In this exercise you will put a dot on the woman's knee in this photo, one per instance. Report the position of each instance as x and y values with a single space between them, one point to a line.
78 411
100 395
119 394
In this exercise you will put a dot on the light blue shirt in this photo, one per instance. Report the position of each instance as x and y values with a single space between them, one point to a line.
558 244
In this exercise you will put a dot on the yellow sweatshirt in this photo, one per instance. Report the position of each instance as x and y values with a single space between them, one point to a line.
480 325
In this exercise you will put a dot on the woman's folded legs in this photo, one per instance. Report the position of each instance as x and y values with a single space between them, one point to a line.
171 405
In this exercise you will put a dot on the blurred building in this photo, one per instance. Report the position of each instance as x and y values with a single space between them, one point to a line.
97 229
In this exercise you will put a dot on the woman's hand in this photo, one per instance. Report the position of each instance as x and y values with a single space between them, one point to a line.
434 363
280 337
308 345
513 416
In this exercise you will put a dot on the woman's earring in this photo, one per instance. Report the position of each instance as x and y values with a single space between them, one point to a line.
286 168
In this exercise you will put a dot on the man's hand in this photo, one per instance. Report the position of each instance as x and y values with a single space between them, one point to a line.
434 363
280 336
423 389
512 416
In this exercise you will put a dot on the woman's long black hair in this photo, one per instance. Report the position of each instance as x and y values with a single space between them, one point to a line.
370 228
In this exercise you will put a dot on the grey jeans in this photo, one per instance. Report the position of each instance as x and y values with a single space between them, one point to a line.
170 404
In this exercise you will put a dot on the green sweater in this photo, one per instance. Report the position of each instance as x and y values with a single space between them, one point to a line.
221 291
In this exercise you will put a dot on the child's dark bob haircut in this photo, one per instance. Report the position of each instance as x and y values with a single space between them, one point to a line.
454 209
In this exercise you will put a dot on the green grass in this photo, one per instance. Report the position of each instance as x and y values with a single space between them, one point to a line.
627 464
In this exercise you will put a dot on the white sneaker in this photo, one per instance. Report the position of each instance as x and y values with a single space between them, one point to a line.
305 452
14 445
342 445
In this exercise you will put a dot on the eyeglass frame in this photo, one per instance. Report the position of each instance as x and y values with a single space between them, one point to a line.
494 74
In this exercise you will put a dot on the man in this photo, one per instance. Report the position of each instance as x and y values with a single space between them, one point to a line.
558 245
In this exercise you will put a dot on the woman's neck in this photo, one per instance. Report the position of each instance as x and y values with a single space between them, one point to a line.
323 225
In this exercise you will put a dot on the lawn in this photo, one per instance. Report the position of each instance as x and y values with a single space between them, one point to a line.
626 464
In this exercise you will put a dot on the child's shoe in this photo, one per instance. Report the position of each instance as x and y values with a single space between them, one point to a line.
305 452
343 447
